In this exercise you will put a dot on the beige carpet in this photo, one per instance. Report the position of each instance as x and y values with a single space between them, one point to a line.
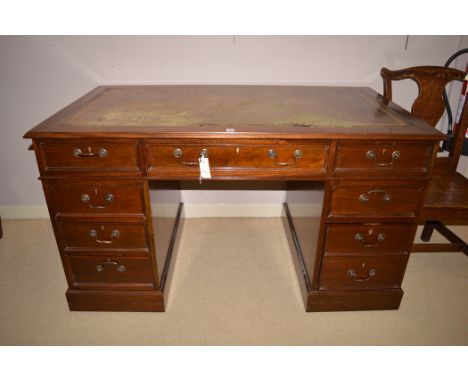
234 285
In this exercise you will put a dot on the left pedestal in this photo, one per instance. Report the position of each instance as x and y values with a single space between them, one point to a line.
99 204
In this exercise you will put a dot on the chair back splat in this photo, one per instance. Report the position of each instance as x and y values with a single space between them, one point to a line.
447 193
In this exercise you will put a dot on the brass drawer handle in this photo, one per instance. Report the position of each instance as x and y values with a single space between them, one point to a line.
178 153
77 153
85 198
297 154
352 273
364 198
359 237
371 155
114 234
118 267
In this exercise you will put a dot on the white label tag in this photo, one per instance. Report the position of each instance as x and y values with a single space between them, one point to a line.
204 168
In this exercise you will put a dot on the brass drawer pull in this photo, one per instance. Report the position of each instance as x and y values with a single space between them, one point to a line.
118 267
364 198
352 273
359 237
371 155
101 153
178 153
114 234
85 198
297 154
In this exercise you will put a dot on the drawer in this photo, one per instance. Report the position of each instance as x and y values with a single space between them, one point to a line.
362 272
95 197
89 155
368 239
102 237
375 199
383 157
88 272
184 157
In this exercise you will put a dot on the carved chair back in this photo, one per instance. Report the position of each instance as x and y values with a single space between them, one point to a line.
429 104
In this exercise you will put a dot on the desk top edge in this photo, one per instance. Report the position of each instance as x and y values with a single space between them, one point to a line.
402 126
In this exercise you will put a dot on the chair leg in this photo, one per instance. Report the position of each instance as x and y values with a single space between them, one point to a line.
456 243
449 235
428 229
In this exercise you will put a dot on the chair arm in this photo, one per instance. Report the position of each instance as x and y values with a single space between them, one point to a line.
390 75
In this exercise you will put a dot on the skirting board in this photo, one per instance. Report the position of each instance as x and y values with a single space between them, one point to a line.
201 210
24 212
192 210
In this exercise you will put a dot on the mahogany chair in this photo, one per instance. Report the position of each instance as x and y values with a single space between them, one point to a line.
446 200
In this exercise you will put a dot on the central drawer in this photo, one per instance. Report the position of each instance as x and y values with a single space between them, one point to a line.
182 158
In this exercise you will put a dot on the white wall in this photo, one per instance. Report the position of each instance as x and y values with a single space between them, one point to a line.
41 74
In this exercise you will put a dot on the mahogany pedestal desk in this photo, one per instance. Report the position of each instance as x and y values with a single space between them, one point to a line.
98 157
